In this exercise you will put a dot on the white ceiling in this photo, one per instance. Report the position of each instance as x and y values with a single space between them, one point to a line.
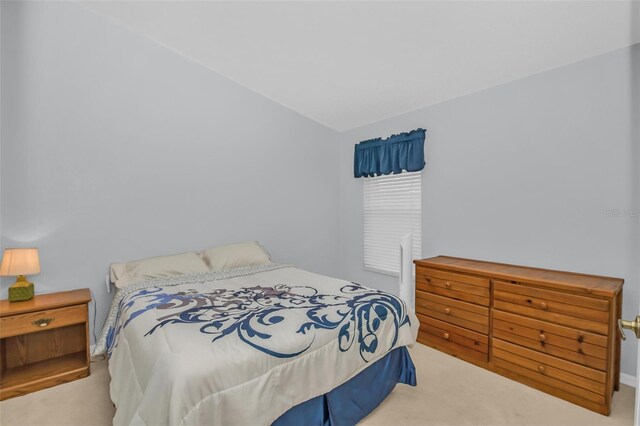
346 64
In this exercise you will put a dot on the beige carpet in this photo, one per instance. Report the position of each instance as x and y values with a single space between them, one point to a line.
449 392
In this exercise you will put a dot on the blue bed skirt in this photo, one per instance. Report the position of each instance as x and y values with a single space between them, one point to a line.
352 401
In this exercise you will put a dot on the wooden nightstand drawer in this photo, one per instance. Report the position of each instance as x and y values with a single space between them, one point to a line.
31 322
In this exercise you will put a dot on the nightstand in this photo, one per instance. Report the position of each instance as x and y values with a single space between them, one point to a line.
43 341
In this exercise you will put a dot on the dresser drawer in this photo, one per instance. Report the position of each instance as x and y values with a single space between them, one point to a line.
575 379
573 345
456 286
451 276
452 339
580 312
463 314
19 324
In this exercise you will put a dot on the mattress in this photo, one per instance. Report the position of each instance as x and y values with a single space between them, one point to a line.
242 346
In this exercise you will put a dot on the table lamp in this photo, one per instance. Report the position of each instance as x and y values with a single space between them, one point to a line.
18 262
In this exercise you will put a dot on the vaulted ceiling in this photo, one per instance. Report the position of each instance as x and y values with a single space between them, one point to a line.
347 64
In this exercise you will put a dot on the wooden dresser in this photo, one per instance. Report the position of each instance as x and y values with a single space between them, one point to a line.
554 331
43 341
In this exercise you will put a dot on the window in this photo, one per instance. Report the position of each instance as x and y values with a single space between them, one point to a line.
392 209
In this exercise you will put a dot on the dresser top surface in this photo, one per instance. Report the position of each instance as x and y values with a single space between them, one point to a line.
571 281
41 302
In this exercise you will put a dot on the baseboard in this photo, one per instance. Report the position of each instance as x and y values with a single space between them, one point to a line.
628 379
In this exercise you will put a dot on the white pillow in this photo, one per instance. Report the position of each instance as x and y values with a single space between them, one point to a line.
123 274
235 256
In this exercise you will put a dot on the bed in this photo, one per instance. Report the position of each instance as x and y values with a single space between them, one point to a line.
257 345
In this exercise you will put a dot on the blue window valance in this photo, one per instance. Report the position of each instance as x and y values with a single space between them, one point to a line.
376 157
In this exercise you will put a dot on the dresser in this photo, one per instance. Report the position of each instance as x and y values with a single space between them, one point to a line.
43 341
552 330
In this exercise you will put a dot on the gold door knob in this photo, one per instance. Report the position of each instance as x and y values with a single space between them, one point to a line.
447 311
632 325
446 336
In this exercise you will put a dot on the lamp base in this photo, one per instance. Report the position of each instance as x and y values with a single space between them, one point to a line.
21 290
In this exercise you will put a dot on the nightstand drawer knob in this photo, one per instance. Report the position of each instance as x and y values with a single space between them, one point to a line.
43 322
447 311
446 336
447 284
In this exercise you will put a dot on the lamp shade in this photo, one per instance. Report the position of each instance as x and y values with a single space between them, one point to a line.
20 261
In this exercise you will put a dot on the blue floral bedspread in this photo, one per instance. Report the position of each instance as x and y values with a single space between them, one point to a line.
236 332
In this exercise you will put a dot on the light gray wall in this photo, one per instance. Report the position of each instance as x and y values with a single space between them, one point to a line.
115 148
525 173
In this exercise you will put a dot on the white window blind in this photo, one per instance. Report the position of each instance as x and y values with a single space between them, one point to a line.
392 209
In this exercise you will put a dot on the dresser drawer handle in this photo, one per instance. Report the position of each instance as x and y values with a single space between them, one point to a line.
446 336
543 305
541 368
43 322
447 311
447 284
542 337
